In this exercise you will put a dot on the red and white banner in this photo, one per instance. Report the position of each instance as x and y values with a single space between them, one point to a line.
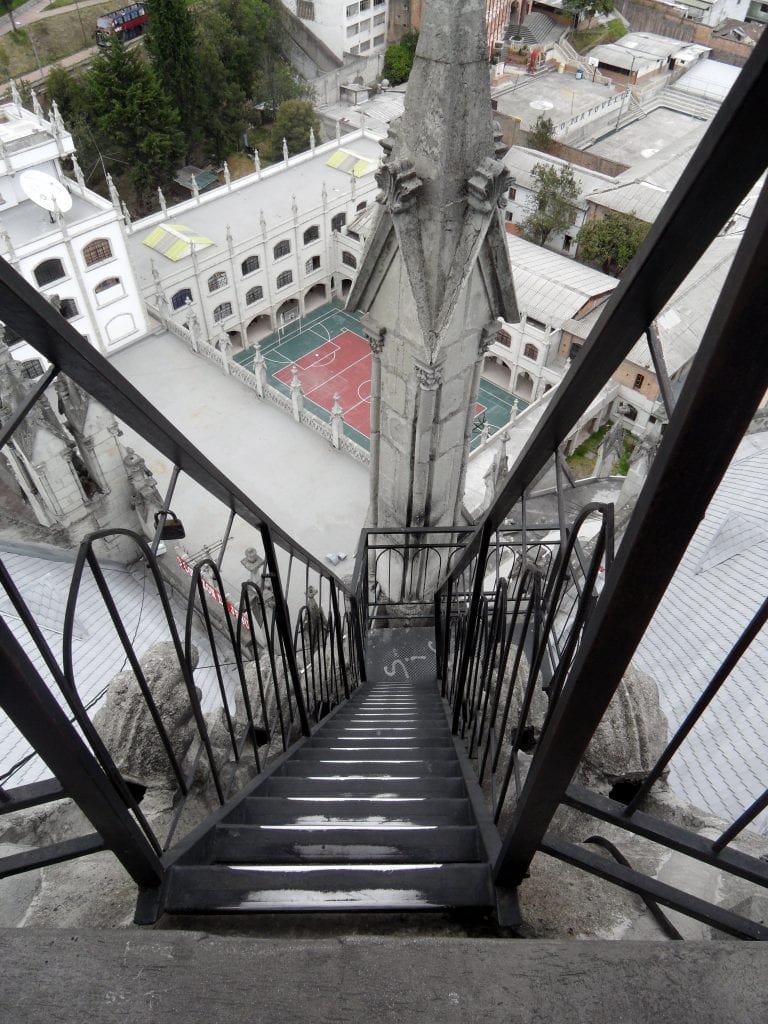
213 592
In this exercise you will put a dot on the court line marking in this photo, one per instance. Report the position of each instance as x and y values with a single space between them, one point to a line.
328 380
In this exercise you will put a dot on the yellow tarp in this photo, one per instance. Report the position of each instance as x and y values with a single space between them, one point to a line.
174 241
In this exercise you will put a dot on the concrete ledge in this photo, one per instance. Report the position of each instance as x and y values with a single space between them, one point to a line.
111 976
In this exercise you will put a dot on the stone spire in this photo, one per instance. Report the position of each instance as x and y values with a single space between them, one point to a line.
435 276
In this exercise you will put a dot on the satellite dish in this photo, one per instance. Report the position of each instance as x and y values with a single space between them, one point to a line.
45 191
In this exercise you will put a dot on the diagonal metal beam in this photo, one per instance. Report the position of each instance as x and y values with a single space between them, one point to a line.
723 389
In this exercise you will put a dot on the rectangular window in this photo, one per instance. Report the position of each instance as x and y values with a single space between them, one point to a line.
306 10
365 46
567 243
379 19
365 4
365 26
379 3
638 382
352 30
352 10
378 40
354 49
512 194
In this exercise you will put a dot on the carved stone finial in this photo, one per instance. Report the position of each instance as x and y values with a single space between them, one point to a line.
227 175
312 139
38 110
78 172
257 162
487 188
15 96
285 151
399 185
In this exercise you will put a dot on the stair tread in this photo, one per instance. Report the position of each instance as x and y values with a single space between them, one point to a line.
346 766
287 810
311 786
230 889
237 844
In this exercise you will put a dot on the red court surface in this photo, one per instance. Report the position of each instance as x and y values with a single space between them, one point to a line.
343 367
340 366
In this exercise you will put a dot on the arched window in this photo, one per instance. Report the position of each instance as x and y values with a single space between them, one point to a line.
361 206
311 234
504 339
249 265
97 251
531 352
338 222
348 259
285 278
312 264
217 280
222 312
254 294
180 298
108 282
68 308
49 271
282 248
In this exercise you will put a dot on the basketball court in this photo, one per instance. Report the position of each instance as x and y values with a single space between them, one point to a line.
332 358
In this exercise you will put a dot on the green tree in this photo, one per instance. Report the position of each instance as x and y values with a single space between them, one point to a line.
542 134
612 240
398 59
579 9
131 110
293 122
170 42
554 200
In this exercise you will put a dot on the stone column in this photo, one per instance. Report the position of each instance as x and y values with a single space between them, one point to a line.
297 393
429 382
259 369
337 422
375 336
487 336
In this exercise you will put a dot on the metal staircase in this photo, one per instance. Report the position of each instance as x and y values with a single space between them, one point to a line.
370 813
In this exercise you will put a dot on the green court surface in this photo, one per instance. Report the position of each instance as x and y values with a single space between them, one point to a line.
300 337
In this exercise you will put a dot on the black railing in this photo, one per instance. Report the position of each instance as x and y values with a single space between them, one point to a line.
577 641
282 654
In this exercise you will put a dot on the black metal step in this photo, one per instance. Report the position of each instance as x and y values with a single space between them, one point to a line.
301 786
225 889
412 754
285 811
324 742
335 764
254 844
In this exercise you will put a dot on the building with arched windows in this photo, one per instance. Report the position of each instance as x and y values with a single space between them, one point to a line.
77 257
248 257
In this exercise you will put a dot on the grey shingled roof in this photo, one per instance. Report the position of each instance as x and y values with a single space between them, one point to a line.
717 588
44 584
552 287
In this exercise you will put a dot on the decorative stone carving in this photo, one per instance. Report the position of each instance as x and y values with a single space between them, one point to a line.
428 377
399 185
487 188
487 337
375 336
499 148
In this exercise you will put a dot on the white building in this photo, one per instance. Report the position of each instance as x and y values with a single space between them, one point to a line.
259 251
358 28
77 255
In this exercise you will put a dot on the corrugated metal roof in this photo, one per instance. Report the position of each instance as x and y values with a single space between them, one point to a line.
552 287
716 590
